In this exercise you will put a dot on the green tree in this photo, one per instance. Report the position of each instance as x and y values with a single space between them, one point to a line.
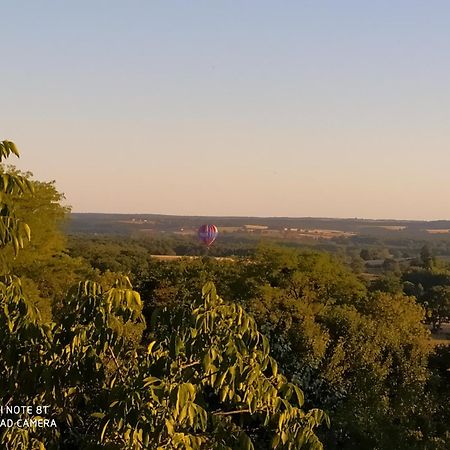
45 268
12 229
431 288
426 257
348 349
437 304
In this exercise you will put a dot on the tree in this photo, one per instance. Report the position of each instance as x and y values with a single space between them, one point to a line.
426 257
437 303
432 290
361 356
210 384
12 230
45 268
391 265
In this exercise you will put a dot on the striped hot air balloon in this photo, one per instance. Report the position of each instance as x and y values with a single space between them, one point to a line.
207 234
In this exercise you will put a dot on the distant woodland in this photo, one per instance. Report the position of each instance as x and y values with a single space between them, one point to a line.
289 339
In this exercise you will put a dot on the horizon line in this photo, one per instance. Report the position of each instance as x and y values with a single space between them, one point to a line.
262 217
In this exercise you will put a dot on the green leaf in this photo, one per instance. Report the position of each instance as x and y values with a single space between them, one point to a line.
300 395
170 426
245 443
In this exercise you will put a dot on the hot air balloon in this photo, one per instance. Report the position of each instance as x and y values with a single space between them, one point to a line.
207 234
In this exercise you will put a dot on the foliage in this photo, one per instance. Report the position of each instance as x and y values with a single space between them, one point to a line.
12 230
45 268
205 381
437 303
348 349
180 392
210 384
432 289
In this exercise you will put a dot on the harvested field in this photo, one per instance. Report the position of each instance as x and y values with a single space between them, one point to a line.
325 234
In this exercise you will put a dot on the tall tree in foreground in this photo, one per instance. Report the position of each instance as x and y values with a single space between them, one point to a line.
43 265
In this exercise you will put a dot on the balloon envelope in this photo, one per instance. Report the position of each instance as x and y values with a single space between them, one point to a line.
207 234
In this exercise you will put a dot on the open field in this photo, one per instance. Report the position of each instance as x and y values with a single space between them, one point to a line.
393 227
325 234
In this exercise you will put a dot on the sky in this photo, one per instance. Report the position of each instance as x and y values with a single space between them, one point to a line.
243 108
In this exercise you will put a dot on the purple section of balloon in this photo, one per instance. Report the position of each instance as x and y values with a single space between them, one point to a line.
207 234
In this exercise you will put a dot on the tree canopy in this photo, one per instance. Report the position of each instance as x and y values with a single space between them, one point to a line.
201 376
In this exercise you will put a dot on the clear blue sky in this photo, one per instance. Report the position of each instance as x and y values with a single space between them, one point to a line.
293 108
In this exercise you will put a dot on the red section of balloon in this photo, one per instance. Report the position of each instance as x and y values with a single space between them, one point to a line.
207 234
